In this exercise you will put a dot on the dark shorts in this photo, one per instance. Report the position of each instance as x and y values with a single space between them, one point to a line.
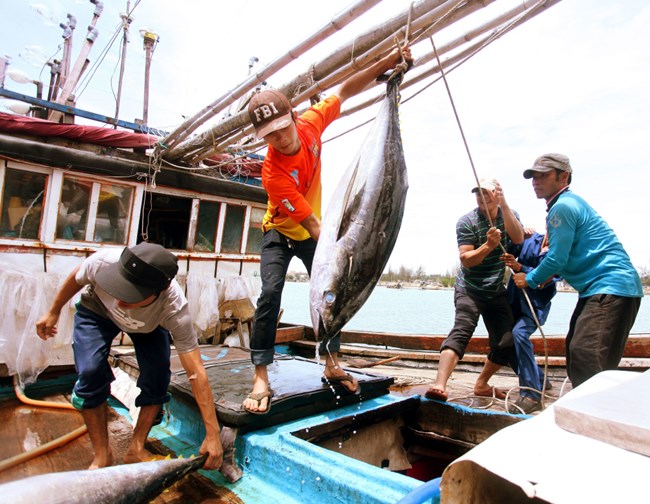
92 338
598 332
498 320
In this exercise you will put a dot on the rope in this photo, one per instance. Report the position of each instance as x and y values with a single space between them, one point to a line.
495 36
480 191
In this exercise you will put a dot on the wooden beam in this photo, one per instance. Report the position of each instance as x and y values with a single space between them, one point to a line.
289 334
638 345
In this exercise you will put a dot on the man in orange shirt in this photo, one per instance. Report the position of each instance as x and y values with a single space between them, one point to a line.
291 175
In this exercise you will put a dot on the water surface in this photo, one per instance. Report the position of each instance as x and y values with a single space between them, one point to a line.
415 311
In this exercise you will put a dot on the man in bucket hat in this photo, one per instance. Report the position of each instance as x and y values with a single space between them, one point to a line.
291 175
585 251
131 290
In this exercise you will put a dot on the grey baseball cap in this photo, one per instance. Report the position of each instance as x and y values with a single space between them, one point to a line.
547 163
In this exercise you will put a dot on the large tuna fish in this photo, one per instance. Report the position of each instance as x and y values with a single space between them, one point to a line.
124 484
361 224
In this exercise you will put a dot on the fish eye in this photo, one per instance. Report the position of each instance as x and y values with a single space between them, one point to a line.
329 297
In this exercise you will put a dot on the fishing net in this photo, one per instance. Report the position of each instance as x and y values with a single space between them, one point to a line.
205 295
24 298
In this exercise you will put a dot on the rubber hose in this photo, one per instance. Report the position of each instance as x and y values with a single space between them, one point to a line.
47 447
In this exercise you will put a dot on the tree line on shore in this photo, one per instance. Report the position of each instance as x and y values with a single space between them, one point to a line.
447 279
404 275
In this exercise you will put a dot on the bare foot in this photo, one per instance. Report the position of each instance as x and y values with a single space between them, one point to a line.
133 456
101 461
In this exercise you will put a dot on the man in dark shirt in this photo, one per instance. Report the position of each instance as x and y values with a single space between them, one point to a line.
480 290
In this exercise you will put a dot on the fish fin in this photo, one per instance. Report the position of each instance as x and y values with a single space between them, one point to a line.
351 204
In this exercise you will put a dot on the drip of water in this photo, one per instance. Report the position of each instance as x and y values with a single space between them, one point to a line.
319 362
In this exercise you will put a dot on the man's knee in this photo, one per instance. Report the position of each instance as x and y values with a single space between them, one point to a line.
455 346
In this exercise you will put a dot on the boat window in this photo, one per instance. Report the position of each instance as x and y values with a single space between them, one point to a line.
73 210
206 229
77 220
165 220
254 242
113 214
233 229
22 204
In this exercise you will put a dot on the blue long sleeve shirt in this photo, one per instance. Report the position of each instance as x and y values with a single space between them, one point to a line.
585 251
529 256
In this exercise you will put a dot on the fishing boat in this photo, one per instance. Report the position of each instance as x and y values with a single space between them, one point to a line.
69 189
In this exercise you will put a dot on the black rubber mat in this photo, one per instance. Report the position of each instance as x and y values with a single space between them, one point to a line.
296 383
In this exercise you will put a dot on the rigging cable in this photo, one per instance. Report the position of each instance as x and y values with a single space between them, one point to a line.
495 35
480 191
84 82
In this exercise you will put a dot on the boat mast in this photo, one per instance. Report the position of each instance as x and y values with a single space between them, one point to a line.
126 22
81 63
59 70
150 42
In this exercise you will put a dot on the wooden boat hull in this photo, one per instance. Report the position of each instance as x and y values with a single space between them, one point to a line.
425 349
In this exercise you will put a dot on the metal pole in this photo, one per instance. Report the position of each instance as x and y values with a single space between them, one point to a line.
126 21
150 41
73 78
55 74
68 30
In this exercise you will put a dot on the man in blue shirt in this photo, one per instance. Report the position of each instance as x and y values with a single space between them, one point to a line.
585 251
528 256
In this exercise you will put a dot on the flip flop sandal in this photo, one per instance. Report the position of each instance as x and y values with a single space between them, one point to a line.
336 380
437 395
494 393
258 396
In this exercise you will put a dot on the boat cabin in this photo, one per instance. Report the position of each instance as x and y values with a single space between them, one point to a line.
67 190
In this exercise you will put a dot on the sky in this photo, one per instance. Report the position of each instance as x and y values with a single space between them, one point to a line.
573 80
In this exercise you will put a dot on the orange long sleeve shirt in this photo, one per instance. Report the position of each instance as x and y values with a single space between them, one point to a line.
293 183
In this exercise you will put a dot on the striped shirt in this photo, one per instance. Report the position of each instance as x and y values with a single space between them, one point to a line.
486 279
